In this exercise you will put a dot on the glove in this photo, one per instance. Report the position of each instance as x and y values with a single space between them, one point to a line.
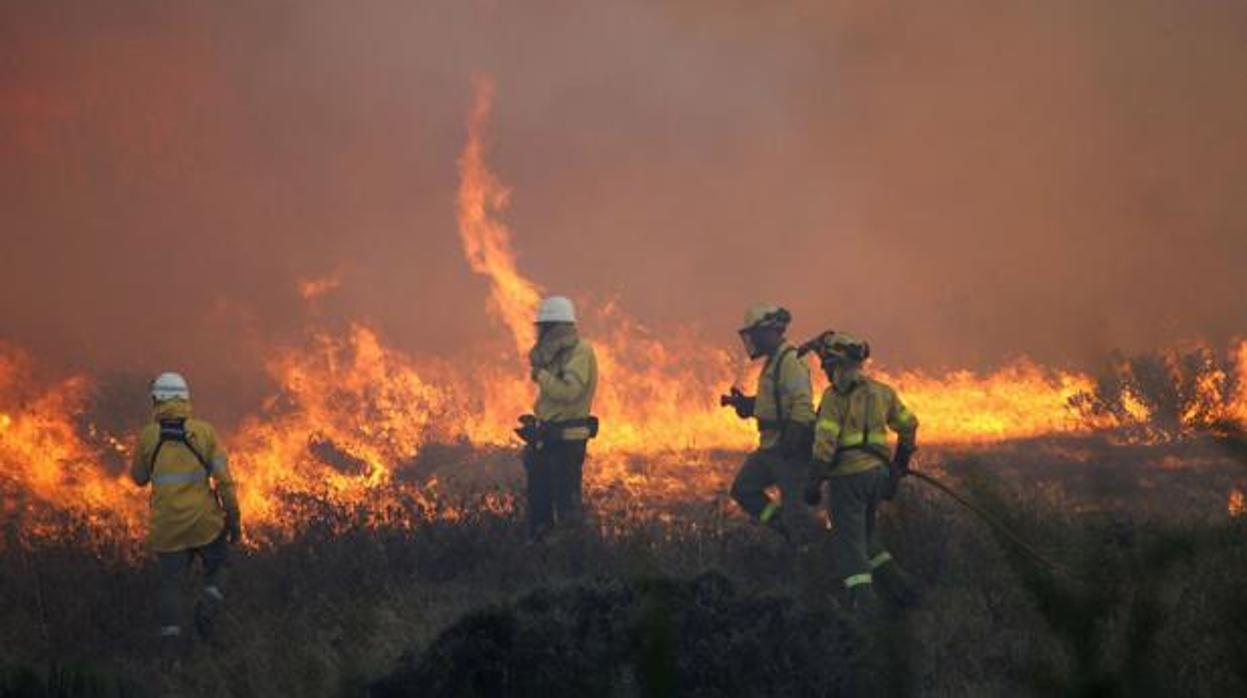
813 492
742 403
900 460
897 469
797 440
233 527
536 361
529 430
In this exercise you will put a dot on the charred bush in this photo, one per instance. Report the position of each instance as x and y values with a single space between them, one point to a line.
658 636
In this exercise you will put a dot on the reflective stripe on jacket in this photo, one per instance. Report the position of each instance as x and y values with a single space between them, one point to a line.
795 395
186 511
567 387
851 435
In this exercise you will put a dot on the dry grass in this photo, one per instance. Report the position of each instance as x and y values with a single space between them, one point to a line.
1156 610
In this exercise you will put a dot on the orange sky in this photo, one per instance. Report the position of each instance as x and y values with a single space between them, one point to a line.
962 184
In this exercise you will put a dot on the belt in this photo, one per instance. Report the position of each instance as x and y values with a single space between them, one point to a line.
557 428
880 452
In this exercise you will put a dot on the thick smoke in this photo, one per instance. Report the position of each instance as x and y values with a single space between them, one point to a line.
961 182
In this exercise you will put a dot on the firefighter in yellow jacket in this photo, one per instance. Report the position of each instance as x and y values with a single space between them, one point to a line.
565 370
194 511
851 452
785 415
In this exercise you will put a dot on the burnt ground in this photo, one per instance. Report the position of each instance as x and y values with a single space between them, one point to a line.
698 604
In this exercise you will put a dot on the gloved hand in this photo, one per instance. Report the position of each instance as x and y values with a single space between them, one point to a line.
900 459
536 361
742 403
233 527
813 492
797 440
529 430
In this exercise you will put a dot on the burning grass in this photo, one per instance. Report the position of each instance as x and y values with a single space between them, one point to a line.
330 611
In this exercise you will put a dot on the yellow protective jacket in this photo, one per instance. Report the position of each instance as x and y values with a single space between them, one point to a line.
566 388
186 512
851 435
786 377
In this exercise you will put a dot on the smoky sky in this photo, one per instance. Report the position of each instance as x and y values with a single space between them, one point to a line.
962 182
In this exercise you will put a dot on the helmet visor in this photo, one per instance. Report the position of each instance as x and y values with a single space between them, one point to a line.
751 345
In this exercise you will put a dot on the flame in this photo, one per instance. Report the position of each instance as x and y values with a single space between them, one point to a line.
1238 412
1020 401
347 411
46 464
1236 506
351 416
486 241
311 289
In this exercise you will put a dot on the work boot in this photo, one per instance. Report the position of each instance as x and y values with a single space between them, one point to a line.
897 585
863 603
171 646
207 610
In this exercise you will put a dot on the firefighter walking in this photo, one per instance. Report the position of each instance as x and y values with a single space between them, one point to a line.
194 510
851 453
785 416
565 370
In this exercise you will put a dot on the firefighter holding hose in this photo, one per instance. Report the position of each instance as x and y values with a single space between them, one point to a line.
783 409
565 370
851 453
194 510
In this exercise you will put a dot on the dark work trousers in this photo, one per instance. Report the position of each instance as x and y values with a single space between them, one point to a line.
555 474
173 567
764 468
856 548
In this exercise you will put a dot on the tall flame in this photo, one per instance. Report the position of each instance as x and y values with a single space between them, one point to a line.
487 241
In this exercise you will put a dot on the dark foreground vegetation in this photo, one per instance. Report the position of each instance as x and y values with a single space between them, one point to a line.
701 605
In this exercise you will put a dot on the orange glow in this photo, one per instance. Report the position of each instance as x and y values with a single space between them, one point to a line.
310 289
1236 506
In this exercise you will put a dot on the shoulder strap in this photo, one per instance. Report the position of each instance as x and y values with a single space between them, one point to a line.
175 430
776 374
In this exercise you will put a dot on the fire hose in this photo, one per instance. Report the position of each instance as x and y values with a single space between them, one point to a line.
996 524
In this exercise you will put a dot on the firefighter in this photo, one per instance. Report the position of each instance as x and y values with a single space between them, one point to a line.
785 416
194 511
851 453
565 370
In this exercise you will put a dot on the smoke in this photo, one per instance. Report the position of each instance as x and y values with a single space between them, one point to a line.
961 182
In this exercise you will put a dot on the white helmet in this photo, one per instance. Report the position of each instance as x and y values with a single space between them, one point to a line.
170 386
763 315
556 309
